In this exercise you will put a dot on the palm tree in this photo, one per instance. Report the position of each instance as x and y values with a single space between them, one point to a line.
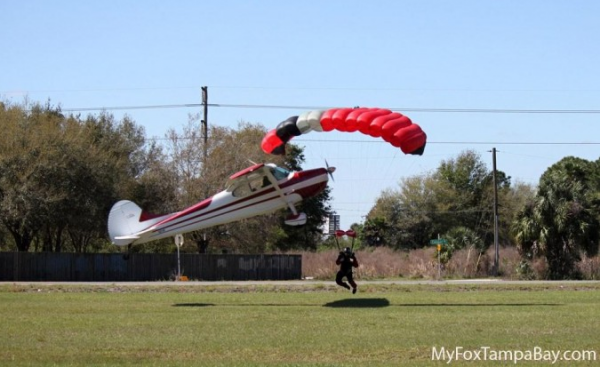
462 237
561 222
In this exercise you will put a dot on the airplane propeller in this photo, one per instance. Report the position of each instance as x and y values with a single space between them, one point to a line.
330 170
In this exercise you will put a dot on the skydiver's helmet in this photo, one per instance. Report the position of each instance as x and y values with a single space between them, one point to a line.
347 251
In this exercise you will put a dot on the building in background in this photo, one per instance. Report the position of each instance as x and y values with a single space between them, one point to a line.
332 223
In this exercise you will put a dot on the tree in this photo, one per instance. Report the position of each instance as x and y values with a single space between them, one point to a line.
372 232
562 221
25 148
460 238
458 194
466 195
59 175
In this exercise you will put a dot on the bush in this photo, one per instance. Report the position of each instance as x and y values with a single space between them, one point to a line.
383 262
467 263
589 267
377 263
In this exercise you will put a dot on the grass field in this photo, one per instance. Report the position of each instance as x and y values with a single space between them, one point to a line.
285 325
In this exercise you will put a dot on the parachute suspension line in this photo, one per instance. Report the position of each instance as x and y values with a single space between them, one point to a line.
353 174
388 172
337 243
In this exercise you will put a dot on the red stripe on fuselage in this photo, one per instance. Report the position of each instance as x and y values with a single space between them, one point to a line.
201 205
303 176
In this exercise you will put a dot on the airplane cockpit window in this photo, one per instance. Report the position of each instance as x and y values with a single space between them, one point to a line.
279 173
255 181
241 191
250 185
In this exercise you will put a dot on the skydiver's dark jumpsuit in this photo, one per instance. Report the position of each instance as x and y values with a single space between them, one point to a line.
346 263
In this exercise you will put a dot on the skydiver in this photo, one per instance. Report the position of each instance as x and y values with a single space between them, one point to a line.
346 260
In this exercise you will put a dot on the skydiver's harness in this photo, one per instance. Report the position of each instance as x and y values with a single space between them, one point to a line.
345 263
345 260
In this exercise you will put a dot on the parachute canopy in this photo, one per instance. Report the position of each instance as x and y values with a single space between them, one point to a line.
393 127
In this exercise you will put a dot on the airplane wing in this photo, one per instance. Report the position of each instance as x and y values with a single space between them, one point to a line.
124 240
246 171
127 238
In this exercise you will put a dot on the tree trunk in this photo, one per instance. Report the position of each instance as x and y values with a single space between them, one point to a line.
202 245
22 240
58 244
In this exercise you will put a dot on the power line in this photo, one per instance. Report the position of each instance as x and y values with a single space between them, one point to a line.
299 107
143 107
409 211
450 142
513 143
334 88
410 109
304 140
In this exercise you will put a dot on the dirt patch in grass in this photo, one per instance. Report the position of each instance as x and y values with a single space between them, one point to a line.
309 287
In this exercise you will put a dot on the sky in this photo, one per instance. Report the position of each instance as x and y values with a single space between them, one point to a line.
521 76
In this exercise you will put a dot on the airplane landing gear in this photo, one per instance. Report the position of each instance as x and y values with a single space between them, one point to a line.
295 219
126 255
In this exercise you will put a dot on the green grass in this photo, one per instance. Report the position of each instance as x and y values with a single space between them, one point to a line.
289 326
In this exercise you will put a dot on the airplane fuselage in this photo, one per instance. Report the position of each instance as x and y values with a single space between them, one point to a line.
236 204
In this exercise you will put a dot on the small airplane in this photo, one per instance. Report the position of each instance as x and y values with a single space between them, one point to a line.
256 190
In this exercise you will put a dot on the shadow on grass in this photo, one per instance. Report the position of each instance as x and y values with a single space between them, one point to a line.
365 303
359 303
193 304
348 303
246 305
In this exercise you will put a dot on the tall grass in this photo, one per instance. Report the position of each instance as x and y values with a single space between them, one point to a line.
383 262
589 267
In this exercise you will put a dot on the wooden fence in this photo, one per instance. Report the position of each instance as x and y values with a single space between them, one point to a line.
44 266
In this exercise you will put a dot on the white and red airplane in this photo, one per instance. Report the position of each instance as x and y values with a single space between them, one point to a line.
259 189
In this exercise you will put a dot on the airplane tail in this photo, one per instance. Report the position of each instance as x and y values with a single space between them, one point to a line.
125 220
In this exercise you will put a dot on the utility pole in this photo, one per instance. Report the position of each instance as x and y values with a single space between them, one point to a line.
496 249
204 241
205 123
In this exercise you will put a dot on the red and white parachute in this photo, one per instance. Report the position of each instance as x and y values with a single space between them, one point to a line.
392 127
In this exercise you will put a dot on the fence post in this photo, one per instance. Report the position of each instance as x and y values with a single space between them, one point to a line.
16 267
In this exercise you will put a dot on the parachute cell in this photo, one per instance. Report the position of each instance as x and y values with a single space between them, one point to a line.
327 120
365 119
378 122
411 139
350 124
309 121
392 127
272 144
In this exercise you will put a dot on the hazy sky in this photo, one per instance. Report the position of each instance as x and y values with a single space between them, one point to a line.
512 59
